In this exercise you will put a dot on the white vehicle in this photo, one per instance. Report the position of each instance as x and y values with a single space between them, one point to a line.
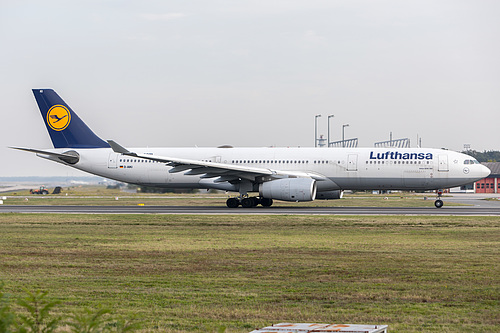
289 174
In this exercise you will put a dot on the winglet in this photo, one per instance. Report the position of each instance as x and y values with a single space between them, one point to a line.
119 149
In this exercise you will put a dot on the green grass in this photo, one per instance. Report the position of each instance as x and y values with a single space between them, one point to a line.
99 195
197 273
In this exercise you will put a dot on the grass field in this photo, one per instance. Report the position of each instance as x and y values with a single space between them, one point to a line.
199 273
99 195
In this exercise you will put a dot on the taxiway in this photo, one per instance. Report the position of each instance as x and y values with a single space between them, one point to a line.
214 210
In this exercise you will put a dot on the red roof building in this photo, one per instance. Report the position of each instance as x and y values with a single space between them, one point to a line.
490 184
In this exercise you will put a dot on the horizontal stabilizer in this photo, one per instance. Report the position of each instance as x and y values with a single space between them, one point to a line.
70 157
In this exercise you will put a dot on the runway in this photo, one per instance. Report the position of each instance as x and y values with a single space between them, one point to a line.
215 210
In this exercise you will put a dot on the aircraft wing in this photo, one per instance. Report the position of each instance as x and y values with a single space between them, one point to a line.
224 172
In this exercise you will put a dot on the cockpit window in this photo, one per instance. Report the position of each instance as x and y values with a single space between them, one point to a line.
471 162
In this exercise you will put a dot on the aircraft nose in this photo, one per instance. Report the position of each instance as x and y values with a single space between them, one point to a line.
484 171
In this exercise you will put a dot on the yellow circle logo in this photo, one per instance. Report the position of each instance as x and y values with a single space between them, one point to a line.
58 117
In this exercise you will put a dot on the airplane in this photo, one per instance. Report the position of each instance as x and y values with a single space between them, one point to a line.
287 174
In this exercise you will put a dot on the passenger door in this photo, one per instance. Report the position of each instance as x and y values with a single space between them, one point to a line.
443 162
352 162
113 160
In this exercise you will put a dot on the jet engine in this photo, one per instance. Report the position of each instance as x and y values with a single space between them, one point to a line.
329 195
289 189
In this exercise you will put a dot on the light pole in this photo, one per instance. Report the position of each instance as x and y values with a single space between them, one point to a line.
330 116
343 130
316 129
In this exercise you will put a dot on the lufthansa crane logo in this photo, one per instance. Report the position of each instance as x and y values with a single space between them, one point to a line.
58 117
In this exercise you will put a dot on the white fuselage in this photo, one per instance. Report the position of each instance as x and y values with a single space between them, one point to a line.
344 168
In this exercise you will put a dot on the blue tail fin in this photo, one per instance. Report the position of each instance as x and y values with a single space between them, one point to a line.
65 128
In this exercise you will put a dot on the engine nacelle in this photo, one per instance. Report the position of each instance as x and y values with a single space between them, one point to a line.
289 189
329 195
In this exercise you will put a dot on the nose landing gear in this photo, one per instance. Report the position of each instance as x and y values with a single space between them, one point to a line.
439 203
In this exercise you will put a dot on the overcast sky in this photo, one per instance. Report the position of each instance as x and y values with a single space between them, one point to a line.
251 73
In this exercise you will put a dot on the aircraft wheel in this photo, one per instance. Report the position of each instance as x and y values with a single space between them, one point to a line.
232 203
265 202
247 203
438 203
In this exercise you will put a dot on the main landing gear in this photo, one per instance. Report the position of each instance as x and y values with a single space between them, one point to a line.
439 203
248 202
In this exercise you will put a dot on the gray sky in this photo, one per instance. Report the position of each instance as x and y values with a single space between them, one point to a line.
251 73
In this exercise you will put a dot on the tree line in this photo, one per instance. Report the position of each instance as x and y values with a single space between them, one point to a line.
485 156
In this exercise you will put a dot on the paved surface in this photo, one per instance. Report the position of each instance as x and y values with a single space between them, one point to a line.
477 205
476 200
296 210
